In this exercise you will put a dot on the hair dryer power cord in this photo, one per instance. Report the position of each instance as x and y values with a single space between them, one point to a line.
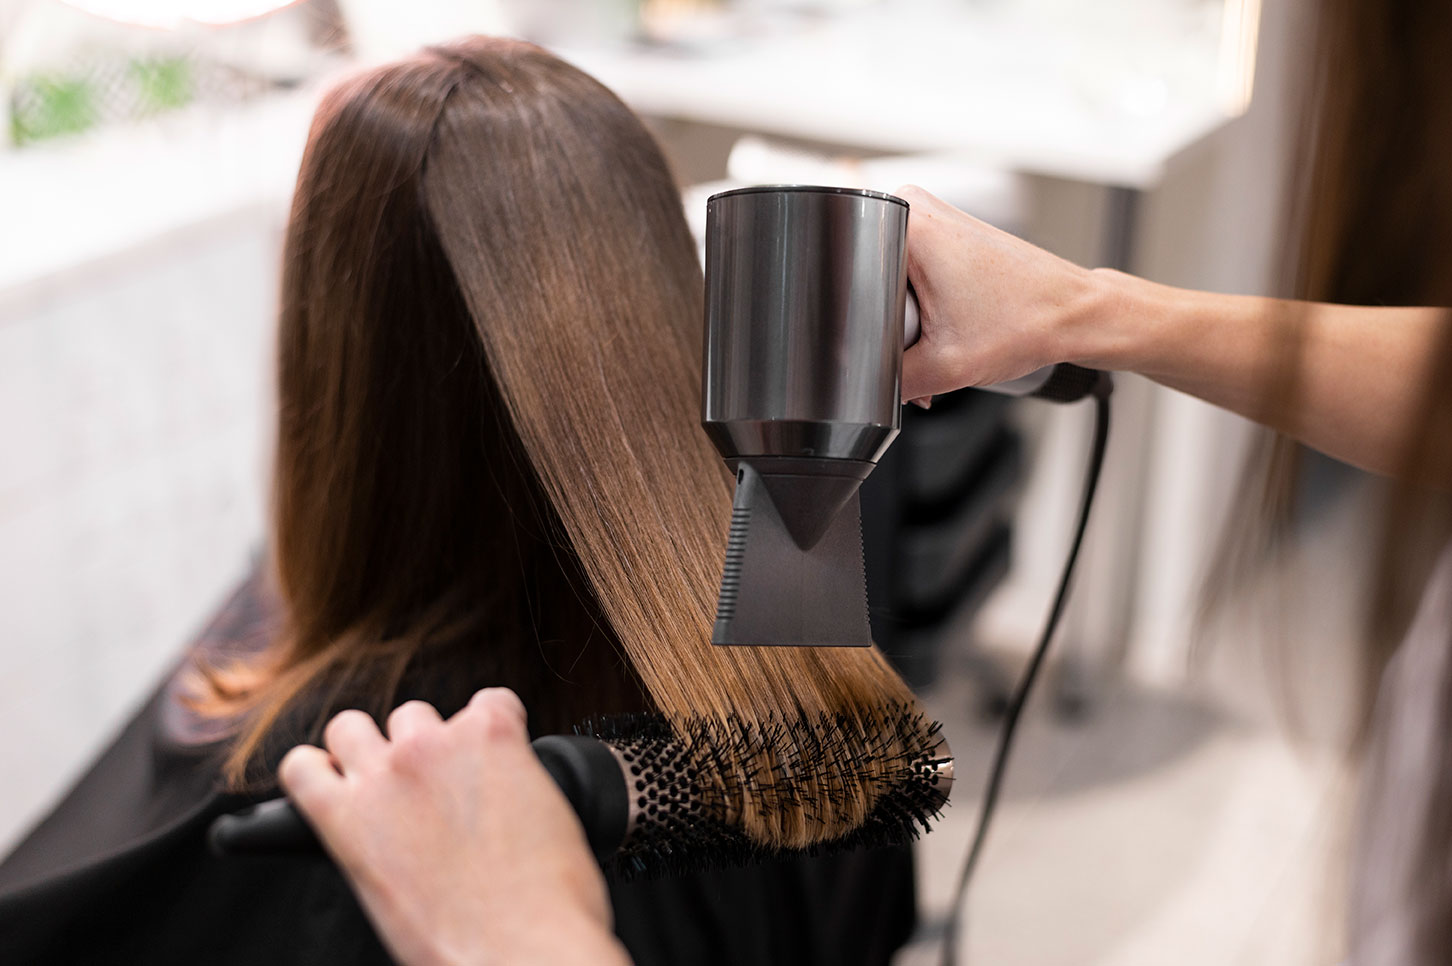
1021 694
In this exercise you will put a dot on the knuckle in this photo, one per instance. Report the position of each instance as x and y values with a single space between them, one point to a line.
344 722
502 700
413 749
407 711
496 714
498 721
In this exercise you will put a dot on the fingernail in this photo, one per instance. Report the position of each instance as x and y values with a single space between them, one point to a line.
925 402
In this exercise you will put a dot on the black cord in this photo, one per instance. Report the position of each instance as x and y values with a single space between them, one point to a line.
1025 685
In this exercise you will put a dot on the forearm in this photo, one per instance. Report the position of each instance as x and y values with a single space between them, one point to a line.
1349 381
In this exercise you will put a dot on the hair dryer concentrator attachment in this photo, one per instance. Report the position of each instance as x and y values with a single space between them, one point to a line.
794 570
801 382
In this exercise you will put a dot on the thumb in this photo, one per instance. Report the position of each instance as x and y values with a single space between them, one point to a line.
921 376
931 365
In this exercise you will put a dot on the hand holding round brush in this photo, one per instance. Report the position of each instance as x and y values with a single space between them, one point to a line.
458 844
461 837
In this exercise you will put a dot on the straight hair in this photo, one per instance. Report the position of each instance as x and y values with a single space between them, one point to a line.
1373 226
489 379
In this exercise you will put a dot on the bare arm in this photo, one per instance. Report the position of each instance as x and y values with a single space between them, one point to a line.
1349 381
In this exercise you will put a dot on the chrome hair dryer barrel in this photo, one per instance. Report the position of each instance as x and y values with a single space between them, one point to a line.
805 293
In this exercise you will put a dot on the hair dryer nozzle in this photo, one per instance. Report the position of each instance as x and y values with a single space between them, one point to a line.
802 373
794 573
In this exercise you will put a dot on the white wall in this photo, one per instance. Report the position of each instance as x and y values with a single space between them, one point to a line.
133 418
138 288
1214 223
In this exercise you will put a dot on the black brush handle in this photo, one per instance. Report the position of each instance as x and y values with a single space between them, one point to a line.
585 769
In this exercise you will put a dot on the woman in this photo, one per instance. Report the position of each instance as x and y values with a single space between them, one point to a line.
488 472
1358 367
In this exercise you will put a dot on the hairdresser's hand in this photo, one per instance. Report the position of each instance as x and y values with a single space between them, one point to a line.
993 306
457 842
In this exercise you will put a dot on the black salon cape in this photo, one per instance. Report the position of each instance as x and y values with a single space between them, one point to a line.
119 874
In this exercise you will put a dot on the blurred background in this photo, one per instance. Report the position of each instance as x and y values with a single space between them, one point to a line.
1158 809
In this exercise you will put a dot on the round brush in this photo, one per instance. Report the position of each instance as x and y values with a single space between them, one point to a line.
663 798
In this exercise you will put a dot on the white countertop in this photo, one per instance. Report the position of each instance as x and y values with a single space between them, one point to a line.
1089 100
1079 100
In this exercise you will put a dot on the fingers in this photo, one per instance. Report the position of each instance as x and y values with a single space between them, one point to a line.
501 700
353 739
499 713
925 210
912 375
929 370
914 196
411 718
307 776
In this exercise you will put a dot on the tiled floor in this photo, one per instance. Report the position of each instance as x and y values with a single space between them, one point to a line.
1157 830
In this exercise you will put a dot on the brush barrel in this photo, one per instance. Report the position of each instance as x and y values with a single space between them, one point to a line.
805 294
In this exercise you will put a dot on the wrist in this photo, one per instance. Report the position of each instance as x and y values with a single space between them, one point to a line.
1096 329
567 940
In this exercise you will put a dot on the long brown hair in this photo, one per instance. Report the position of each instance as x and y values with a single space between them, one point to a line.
1373 212
488 453
1379 232
1370 216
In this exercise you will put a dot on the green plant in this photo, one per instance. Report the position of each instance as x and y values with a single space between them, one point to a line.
163 83
49 105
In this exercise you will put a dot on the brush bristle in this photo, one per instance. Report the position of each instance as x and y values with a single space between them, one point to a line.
693 779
